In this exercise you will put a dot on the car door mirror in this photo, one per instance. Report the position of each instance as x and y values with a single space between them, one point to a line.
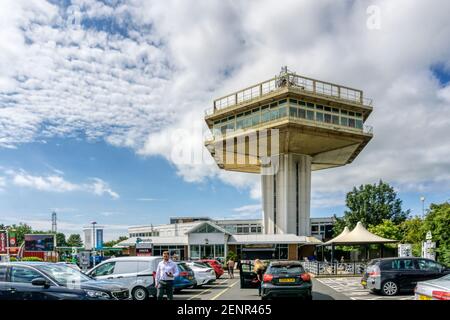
41 282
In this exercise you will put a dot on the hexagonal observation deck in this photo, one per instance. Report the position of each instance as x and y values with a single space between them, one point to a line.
299 120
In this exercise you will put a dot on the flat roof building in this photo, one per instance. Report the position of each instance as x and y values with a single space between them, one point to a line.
214 238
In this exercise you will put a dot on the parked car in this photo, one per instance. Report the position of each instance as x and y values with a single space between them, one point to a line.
71 265
216 265
185 279
203 273
135 273
437 289
286 279
389 276
52 281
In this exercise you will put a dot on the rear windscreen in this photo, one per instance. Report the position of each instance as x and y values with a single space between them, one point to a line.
183 267
294 269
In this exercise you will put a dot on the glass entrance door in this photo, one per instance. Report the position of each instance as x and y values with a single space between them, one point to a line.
208 251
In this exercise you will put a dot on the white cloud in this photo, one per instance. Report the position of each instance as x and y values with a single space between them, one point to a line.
100 187
2 183
135 90
49 183
57 183
109 213
150 199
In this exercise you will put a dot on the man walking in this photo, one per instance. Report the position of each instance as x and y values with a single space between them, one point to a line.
166 272
230 267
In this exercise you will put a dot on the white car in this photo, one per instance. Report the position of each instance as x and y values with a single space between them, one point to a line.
203 274
437 289
135 273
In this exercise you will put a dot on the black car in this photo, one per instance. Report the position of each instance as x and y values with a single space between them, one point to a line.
389 276
286 279
51 281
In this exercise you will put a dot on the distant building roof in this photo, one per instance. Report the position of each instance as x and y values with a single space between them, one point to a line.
213 225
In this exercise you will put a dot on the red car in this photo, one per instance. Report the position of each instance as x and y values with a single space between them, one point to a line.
216 265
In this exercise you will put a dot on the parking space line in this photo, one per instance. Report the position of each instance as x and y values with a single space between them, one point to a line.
206 290
224 290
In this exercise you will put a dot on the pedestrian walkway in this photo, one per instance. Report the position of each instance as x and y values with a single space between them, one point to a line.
352 288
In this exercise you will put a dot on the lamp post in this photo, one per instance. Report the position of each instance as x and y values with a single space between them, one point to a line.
206 243
93 242
422 198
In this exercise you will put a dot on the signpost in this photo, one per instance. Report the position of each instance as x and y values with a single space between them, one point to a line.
405 250
4 245
428 247
84 260
74 254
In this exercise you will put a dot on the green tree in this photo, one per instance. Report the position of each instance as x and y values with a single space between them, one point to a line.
74 240
413 233
21 230
61 240
371 204
112 243
438 222
387 229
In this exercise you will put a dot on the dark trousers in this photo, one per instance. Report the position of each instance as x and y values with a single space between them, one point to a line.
165 286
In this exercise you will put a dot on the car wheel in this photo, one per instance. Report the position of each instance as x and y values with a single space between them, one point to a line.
139 293
389 288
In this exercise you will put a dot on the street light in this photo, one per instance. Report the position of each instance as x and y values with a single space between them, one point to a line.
93 242
422 198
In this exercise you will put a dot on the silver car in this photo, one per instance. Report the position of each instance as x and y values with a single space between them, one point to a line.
437 289
135 273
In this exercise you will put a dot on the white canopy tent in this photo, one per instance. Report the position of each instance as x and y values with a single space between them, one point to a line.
358 236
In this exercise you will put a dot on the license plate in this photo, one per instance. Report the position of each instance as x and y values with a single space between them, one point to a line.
190 278
286 280
422 297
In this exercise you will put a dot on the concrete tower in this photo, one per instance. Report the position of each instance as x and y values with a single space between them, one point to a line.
283 129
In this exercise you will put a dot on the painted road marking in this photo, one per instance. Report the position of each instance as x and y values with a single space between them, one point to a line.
206 290
224 290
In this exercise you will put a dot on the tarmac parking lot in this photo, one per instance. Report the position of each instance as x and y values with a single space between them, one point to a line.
351 288
344 288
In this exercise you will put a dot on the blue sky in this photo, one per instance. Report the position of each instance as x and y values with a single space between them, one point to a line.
95 96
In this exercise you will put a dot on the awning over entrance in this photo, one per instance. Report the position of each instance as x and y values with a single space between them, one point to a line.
359 235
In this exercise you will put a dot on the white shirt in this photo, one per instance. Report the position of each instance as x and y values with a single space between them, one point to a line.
164 268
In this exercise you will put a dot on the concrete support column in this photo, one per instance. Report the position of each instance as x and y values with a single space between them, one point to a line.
287 195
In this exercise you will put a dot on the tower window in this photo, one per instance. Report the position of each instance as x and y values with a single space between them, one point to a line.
319 116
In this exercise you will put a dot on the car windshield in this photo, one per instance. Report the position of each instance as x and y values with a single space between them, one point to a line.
183 267
63 275
288 269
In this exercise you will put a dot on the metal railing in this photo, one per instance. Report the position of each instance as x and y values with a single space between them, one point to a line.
368 129
292 80
336 268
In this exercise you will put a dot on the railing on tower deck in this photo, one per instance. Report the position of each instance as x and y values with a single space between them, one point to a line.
336 268
294 81
368 129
